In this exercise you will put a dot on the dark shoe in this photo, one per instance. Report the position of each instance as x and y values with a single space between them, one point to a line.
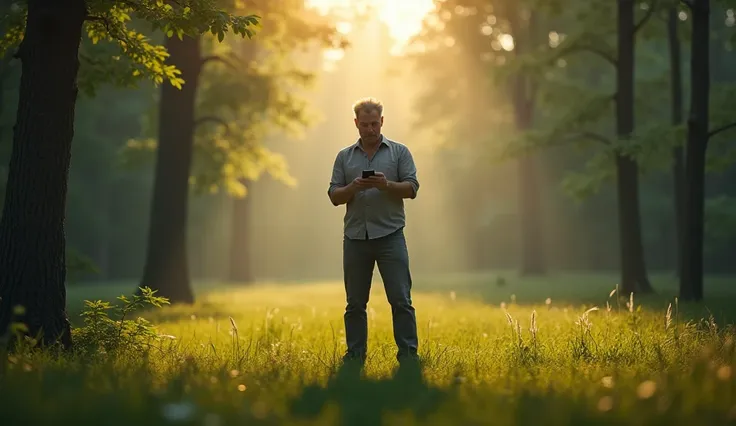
353 357
404 356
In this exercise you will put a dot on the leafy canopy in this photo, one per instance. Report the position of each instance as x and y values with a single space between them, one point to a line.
115 51
250 92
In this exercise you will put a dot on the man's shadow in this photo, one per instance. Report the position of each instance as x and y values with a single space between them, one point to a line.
363 401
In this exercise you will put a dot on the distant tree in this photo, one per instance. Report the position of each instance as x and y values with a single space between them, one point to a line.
48 34
481 36
634 277
583 121
210 134
699 133
678 155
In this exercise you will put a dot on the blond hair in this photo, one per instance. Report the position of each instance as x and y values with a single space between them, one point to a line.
367 105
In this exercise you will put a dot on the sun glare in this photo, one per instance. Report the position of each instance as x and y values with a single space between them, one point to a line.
402 17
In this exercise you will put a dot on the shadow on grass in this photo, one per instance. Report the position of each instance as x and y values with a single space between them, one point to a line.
363 401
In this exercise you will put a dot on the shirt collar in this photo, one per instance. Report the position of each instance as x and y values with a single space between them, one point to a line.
384 141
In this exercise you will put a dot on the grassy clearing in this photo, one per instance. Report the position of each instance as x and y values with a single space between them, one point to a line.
270 355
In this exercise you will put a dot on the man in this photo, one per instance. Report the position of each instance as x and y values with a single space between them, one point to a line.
374 228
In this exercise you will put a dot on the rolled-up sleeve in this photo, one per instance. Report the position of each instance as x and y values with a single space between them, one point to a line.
408 170
338 174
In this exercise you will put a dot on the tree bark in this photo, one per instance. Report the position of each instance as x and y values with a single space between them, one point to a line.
678 164
240 265
167 268
691 279
523 97
633 267
32 241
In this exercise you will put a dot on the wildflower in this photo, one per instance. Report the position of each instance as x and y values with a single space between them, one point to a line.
605 404
646 389
607 382
724 373
533 324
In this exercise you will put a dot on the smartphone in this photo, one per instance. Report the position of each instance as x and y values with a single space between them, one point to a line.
368 173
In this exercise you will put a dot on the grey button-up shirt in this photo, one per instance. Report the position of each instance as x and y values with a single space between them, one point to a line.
373 213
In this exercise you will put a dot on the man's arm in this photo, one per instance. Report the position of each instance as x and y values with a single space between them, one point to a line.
408 184
401 189
340 192
343 194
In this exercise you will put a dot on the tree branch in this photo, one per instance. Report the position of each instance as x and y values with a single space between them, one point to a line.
588 48
589 135
94 18
718 130
646 17
212 119
216 58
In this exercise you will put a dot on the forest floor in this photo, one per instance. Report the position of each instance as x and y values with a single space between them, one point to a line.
494 351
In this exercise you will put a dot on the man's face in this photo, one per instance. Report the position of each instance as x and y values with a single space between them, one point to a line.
369 125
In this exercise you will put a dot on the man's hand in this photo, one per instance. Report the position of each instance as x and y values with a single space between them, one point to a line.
344 194
398 189
359 184
377 181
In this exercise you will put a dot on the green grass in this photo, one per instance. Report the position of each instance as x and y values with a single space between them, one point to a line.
269 354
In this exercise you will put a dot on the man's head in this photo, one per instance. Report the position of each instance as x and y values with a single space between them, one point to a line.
368 119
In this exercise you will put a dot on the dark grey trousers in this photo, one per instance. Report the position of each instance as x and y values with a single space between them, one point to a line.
359 259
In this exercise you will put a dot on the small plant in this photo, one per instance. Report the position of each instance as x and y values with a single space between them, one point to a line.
102 333
583 339
524 353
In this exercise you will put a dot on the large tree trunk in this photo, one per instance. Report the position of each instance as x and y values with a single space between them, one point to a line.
524 96
166 268
633 268
240 265
678 164
691 279
32 241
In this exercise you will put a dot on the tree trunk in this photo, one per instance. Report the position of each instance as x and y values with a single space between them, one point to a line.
523 96
678 164
633 267
691 280
167 268
240 265
32 241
